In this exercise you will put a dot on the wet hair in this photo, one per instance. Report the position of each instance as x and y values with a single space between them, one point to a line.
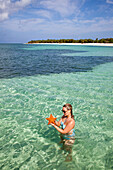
69 107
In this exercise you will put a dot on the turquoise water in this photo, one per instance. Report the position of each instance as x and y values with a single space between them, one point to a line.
27 142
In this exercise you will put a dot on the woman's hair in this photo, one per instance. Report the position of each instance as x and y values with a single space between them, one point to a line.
69 107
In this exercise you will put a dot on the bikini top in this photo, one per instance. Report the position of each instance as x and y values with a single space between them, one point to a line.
63 126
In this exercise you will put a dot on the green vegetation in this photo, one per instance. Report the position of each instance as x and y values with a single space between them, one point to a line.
103 40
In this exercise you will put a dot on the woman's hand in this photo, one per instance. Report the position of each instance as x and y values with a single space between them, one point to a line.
52 124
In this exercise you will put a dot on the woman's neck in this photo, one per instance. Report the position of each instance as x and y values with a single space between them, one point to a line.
69 116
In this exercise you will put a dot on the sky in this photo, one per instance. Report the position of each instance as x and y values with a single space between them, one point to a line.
25 20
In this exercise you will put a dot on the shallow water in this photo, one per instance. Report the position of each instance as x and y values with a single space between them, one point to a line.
27 142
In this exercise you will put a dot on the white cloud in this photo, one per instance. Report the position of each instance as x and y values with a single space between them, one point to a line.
8 7
22 3
98 25
44 13
21 25
64 7
109 1
64 26
3 9
86 21
3 16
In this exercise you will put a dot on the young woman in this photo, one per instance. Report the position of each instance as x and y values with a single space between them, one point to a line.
67 124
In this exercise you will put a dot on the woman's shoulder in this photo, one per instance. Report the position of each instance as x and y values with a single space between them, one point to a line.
72 121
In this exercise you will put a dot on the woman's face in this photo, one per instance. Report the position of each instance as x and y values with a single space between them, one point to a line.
65 111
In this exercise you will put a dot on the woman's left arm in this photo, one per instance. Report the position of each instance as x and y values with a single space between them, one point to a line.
67 129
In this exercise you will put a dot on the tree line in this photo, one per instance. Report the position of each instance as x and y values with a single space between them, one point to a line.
103 40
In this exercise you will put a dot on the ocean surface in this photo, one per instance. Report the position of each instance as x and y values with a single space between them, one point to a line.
36 81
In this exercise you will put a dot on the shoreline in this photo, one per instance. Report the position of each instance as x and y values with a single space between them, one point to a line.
91 44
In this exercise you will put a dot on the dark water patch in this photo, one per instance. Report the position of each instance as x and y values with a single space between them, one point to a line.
15 61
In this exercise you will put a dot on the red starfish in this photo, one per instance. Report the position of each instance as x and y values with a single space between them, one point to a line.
51 119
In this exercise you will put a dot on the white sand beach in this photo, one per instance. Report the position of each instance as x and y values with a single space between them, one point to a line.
91 44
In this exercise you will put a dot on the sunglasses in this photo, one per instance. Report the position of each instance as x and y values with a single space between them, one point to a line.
64 111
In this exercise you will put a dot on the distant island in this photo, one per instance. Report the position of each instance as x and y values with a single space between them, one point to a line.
103 40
